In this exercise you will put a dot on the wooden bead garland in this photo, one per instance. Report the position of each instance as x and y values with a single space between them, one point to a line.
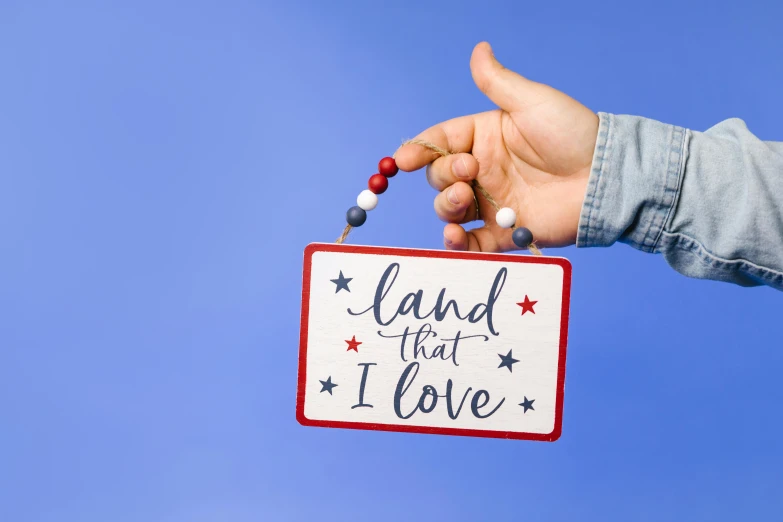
387 168
506 218
378 183
367 200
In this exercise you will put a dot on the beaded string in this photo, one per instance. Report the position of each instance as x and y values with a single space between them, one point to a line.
387 168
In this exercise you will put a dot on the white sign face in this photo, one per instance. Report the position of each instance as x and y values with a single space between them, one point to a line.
454 343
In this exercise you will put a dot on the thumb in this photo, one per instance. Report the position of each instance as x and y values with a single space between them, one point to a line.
507 89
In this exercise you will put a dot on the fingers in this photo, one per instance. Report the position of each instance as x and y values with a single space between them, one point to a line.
478 240
448 170
507 89
456 204
454 135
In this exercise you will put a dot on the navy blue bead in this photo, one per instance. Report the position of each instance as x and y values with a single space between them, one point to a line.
356 216
522 237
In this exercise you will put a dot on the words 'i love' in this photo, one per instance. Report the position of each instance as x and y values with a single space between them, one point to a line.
453 343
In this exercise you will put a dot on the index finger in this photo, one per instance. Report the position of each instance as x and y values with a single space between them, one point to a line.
455 135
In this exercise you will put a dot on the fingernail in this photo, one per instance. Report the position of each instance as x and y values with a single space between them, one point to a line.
460 168
446 240
452 196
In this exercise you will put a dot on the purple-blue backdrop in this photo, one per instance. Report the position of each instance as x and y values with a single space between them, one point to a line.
163 165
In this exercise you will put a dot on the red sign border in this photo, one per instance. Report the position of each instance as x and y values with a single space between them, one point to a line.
412 252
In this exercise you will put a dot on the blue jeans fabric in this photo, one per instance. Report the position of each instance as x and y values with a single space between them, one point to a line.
710 202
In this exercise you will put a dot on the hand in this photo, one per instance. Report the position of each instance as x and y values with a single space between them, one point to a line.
533 154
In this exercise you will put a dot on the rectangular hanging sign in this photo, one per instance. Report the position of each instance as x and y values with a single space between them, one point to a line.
425 341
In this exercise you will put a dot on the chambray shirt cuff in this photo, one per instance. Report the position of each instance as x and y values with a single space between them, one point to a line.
634 182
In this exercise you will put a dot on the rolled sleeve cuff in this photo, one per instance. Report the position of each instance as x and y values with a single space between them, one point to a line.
634 182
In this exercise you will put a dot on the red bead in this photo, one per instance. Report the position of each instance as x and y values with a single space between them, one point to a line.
378 183
388 167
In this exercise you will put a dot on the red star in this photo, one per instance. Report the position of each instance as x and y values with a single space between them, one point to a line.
353 344
527 306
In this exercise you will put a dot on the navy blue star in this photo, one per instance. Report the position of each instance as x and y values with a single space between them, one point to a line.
528 405
507 361
342 282
327 385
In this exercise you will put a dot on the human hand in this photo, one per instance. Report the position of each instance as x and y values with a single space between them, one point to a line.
533 154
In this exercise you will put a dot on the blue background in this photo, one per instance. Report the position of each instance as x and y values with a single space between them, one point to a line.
163 165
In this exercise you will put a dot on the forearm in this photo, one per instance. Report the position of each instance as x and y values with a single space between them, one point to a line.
711 203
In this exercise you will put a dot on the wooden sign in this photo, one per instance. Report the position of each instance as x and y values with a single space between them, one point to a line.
453 343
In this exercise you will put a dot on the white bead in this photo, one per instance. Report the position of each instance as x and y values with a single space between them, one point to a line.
367 200
506 218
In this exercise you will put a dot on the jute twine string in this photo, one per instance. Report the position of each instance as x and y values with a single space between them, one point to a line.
476 187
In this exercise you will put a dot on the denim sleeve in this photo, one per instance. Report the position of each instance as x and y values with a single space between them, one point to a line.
710 202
